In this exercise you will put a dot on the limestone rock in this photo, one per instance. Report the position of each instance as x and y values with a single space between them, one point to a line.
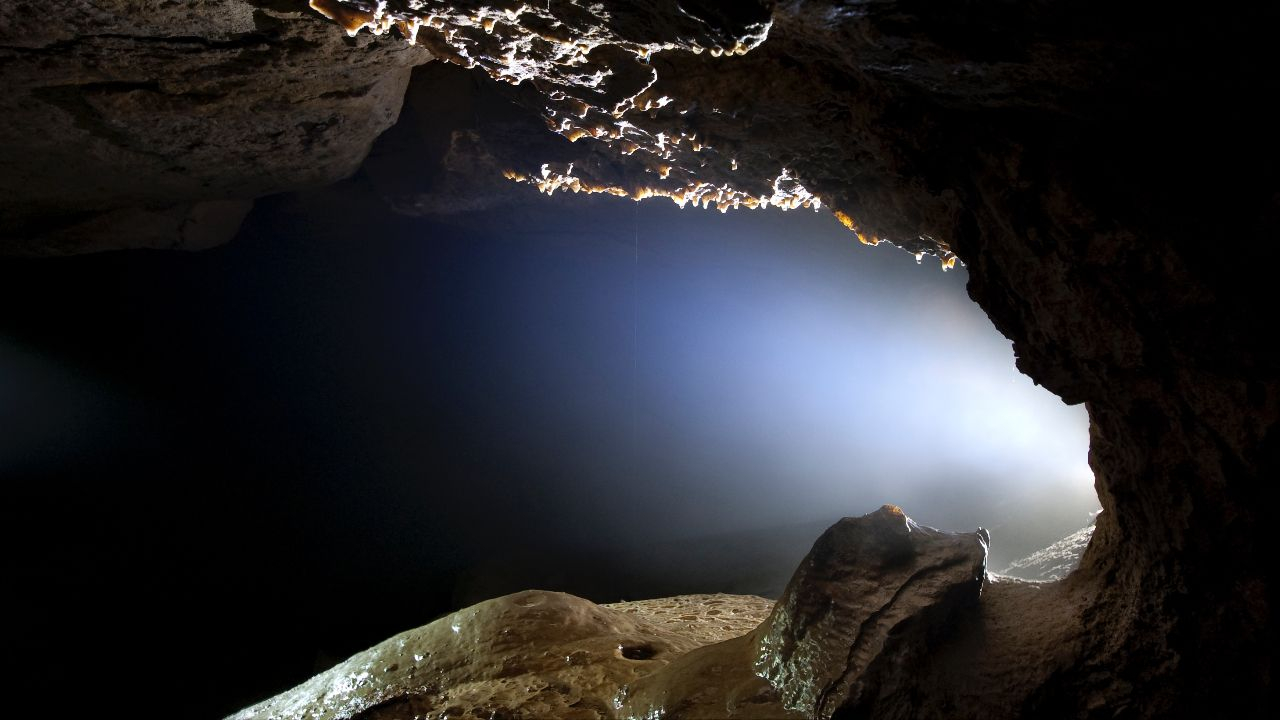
132 124
707 618
716 681
185 226
1055 561
1102 170
868 597
868 600
533 654
1105 170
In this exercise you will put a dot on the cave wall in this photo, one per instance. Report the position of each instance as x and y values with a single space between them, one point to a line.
1105 173
156 124
1095 169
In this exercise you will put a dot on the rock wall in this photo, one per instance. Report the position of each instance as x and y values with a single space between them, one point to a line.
155 124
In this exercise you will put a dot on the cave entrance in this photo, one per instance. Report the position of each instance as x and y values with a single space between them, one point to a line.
612 399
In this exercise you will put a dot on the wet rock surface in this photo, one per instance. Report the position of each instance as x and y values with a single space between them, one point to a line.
871 599
1056 150
705 618
871 596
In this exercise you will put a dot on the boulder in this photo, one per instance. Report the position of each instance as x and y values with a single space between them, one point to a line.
1055 561
1101 168
869 599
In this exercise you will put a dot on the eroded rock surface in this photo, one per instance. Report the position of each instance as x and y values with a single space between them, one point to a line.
641 88
155 124
868 603
1107 172
1055 561
534 654
871 598
873 593
1101 172
707 619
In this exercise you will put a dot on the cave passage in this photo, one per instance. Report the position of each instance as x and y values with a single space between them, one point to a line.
609 399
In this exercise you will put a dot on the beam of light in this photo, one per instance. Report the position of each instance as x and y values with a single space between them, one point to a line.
780 372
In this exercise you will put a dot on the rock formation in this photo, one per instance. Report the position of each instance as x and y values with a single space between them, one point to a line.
872 596
533 654
1102 170
155 124
867 585
867 604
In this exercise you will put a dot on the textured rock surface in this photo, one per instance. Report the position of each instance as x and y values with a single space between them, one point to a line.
643 91
1098 170
716 681
705 618
867 604
1021 635
1054 562
152 124
1106 172
533 654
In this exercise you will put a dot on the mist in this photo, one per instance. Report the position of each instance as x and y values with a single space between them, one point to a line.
346 423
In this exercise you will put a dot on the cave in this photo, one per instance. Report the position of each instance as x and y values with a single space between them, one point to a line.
1093 169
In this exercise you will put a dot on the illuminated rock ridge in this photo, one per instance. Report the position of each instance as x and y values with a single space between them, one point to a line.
641 87
1054 562
1106 172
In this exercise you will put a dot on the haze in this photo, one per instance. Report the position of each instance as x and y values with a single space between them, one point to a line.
345 423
